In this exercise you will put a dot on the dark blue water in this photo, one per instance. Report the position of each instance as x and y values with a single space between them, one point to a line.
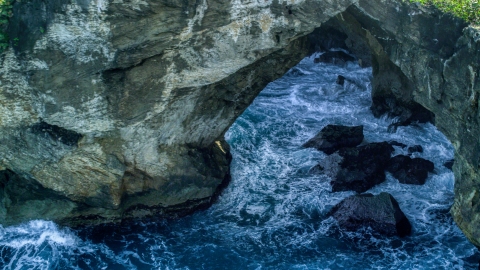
274 214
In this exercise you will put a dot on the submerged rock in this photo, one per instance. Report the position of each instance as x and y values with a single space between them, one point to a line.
410 171
340 80
357 169
449 164
333 137
399 144
334 57
415 148
380 212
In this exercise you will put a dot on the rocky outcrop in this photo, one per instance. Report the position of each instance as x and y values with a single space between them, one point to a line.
118 108
423 59
108 105
333 137
356 168
380 212
410 170
426 68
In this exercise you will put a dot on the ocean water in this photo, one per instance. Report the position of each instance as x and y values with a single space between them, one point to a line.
273 215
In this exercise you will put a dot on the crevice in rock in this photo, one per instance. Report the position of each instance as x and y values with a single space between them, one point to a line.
56 133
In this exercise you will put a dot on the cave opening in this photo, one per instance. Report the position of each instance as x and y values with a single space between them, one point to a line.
280 178
276 213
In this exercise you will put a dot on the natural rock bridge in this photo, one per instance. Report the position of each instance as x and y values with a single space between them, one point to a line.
117 109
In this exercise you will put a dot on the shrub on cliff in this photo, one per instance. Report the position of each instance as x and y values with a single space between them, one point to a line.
469 10
5 13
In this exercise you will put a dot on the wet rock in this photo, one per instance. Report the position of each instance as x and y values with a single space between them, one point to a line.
410 171
359 168
380 212
395 143
340 80
317 169
113 97
449 164
295 72
333 137
415 149
406 114
334 57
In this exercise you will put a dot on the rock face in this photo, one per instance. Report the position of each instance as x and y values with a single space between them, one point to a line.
333 137
426 68
410 171
358 169
118 108
380 212
421 57
108 105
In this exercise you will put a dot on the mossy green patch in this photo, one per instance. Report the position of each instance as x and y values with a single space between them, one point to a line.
5 14
469 10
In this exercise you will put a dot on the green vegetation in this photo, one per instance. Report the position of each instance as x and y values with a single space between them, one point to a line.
5 13
469 10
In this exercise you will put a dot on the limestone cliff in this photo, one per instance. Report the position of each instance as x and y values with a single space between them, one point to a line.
425 59
113 109
421 59
117 109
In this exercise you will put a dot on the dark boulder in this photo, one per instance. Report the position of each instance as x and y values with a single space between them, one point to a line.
358 168
415 148
340 80
449 164
334 57
410 171
380 212
333 137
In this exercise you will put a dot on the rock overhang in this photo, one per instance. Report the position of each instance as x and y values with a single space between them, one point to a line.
146 82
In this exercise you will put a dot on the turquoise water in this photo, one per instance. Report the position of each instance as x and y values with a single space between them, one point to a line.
273 215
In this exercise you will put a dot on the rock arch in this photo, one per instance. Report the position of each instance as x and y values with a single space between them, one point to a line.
149 88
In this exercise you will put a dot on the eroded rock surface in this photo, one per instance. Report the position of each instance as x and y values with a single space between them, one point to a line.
118 108
426 67
149 86
423 57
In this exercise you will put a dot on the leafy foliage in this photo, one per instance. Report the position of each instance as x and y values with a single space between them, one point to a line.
469 10
5 14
